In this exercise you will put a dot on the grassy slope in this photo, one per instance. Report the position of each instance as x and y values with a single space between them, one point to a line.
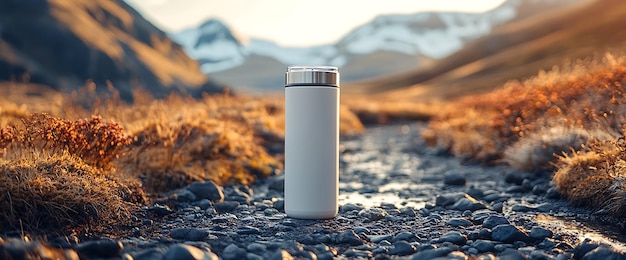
514 51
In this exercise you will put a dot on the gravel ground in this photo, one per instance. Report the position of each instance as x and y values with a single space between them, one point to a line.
398 199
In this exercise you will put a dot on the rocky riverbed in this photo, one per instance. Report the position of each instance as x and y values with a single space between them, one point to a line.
398 199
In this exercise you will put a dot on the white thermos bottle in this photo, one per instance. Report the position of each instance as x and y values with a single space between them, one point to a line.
311 142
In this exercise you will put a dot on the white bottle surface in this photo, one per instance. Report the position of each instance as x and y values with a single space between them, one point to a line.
311 151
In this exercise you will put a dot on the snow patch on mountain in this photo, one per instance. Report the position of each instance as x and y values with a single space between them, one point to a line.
429 34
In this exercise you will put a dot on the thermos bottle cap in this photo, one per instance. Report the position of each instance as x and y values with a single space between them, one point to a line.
312 75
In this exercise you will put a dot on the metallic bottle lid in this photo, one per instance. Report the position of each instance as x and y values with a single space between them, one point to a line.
312 75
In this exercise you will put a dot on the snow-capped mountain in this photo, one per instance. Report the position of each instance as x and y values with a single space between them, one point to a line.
419 37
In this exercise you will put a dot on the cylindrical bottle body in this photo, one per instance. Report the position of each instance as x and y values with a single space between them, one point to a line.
311 151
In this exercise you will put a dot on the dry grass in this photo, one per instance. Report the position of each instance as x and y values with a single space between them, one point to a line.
92 160
566 120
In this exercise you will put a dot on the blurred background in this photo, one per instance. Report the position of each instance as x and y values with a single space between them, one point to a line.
397 49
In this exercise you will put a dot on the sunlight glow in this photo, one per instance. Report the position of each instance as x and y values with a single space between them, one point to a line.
289 22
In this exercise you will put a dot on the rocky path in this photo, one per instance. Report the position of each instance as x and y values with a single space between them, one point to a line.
399 200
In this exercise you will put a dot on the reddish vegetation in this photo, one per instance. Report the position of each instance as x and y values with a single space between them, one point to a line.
576 111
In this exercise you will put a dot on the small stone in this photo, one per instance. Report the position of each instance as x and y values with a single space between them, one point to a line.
494 220
432 253
105 248
185 195
459 222
207 190
482 233
373 214
453 237
355 253
160 210
515 189
540 233
511 254
147 222
483 246
247 230
406 236
603 253
189 234
149 254
253 256
226 206
349 237
281 255
378 238
456 255
204 204
468 204
232 251
349 207
553 193
402 248
256 248
515 177
188 252
448 199
508 233
407 212
583 248
279 205
455 179
521 208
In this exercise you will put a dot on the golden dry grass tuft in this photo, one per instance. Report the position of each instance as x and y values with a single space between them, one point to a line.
92 160
567 120
57 173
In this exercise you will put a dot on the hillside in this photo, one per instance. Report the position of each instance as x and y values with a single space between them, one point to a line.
513 51
66 43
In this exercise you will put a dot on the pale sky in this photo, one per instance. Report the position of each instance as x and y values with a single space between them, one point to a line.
291 22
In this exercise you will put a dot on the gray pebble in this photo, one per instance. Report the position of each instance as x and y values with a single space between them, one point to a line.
247 230
280 255
232 251
150 254
483 246
407 212
379 238
160 210
187 252
454 237
189 234
448 199
508 233
207 190
515 189
185 195
406 236
432 253
603 253
253 256
349 207
511 254
402 248
455 179
553 193
105 248
467 204
355 253
521 208
349 237
494 220
459 222
226 206
373 214
540 233
256 248
279 205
